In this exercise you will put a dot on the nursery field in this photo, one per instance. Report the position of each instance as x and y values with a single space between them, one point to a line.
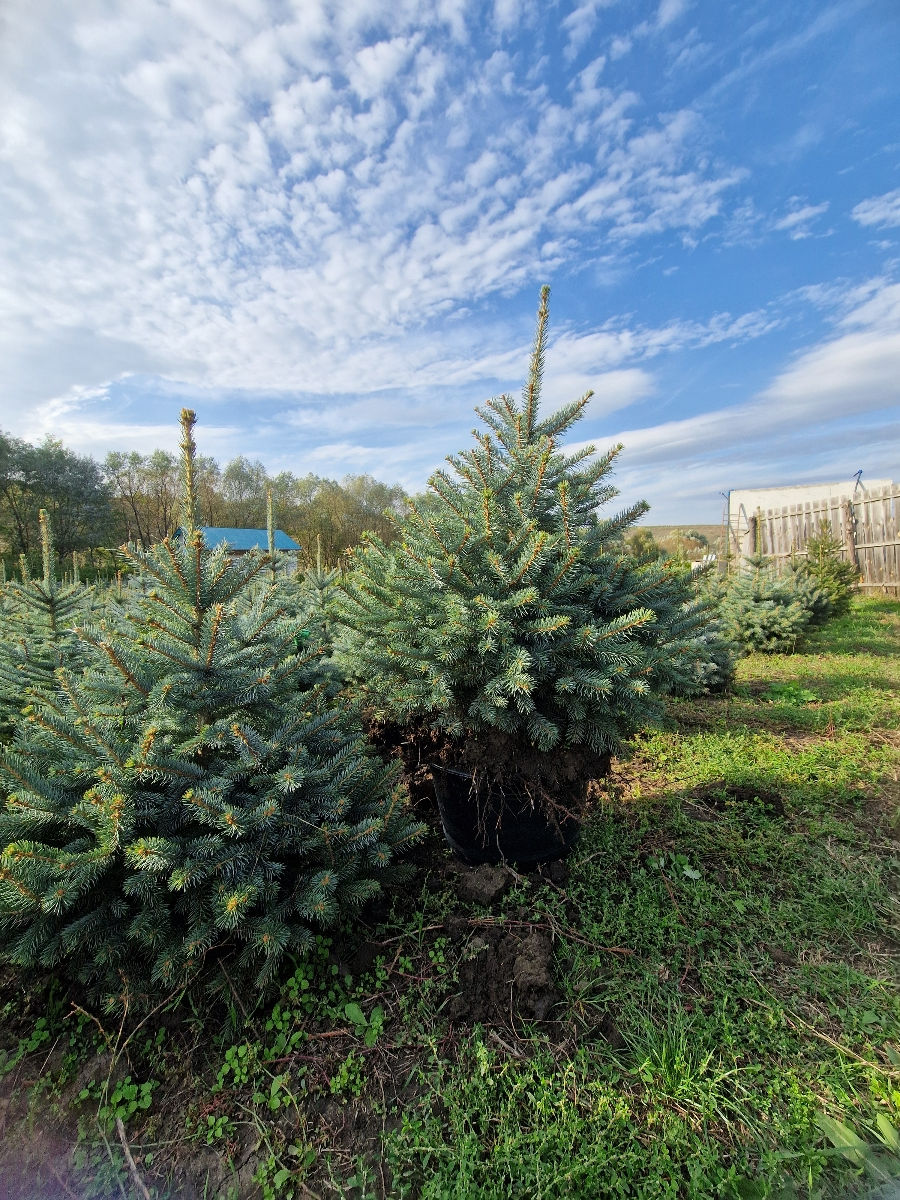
702 1002
712 533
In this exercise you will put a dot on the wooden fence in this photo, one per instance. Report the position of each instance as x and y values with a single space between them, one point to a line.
867 527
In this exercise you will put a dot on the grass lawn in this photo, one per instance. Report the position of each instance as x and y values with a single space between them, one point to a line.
704 1002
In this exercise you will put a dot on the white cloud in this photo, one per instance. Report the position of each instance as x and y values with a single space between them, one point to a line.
509 15
836 402
612 390
402 463
82 420
377 67
666 14
797 223
826 21
616 343
880 211
669 11
233 196
580 23
841 298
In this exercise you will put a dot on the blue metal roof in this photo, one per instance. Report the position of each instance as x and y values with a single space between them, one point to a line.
246 539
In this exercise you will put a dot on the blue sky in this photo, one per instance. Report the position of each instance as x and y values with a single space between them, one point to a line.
324 224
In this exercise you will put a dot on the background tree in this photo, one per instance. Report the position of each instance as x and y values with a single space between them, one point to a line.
125 477
37 629
311 507
70 488
208 477
163 489
144 489
133 498
689 544
244 485
644 546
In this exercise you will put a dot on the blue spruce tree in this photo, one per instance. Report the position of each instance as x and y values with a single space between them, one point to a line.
36 625
196 786
508 614
769 612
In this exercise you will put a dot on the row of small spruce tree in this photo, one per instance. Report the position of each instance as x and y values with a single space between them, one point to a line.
770 611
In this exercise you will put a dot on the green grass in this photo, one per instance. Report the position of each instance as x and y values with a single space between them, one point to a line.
850 665
726 949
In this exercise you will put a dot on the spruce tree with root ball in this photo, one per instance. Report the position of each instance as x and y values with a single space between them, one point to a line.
196 787
508 617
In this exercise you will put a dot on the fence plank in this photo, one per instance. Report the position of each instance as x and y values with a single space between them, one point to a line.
849 539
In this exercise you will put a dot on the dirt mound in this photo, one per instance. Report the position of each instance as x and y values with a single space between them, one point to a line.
507 964
482 885
506 973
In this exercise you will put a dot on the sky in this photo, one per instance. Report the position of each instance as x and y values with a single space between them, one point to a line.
324 225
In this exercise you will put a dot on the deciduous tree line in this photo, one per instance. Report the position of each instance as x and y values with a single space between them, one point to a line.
133 497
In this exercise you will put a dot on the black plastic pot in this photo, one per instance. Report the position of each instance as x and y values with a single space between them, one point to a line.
494 826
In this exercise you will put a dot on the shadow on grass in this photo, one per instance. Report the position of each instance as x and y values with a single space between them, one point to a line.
827 685
846 678
847 708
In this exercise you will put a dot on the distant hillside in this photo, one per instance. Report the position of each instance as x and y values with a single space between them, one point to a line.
712 533
668 537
